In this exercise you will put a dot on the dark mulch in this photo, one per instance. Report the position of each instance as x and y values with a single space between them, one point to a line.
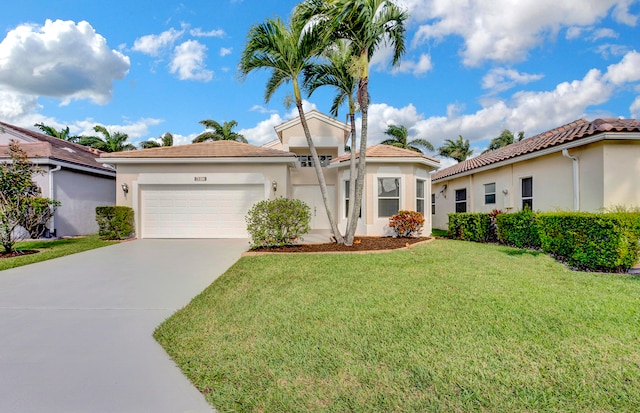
18 253
361 244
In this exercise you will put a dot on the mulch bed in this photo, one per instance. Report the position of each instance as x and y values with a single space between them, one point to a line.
360 244
18 253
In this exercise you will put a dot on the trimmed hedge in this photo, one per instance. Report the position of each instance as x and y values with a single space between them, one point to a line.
277 222
518 229
115 222
467 226
597 242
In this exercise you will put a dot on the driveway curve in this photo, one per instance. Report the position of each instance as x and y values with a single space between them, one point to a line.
76 332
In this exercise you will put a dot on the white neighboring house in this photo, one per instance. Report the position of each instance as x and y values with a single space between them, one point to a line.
204 190
71 175
580 166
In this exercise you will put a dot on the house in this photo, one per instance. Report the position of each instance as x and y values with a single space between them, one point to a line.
204 190
581 166
71 175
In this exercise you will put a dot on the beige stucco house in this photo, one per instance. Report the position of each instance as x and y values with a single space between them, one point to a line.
581 166
71 175
204 190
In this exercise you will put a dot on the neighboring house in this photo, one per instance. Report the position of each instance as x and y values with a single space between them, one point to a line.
204 190
71 175
581 166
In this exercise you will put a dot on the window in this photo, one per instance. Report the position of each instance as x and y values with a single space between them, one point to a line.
420 196
527 193
461 200
347 186
433 204
490 193
306 161
388 196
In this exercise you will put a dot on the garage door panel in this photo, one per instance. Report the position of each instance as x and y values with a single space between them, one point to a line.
204 211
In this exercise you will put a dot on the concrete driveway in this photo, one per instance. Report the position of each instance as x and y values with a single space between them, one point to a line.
76 332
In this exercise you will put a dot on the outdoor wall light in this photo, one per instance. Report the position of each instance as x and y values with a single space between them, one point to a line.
274 185
125 188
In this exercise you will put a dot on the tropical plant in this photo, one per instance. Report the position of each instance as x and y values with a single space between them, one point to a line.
365 25
217 132
286 51
277 222
163 140
23 211
399 135
459 149
505 138
110 142
63 134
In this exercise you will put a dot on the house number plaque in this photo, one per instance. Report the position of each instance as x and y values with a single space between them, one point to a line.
200 178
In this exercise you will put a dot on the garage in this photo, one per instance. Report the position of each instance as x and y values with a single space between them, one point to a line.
197 211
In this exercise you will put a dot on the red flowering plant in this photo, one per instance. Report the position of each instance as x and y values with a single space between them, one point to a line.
407 224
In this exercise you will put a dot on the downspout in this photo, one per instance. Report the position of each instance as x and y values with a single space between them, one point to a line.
52 230
576 179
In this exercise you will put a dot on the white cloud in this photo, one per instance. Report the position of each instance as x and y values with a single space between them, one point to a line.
504 30
262 109
212 33
635 108
608 49
135 130
153 44
263 132
422 66
604 34
628 70
18 109
501 79
224 51
188 62
61 59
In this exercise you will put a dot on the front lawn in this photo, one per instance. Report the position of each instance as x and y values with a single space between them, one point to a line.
50 249
447 326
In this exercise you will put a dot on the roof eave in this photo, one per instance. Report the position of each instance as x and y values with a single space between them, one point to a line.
402 160
245 159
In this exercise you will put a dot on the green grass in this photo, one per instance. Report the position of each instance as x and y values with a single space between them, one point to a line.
50 249
447 326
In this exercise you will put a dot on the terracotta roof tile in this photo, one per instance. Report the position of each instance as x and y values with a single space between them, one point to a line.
215 149
386 151
573 131
56 149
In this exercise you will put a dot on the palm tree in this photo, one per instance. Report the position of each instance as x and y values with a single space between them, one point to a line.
336 72
399 137
365 25
505 138
63 134
286 52
459 149
219 132
165 140
110 142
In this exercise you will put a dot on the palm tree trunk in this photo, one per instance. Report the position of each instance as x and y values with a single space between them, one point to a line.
363 100
321 181
350 231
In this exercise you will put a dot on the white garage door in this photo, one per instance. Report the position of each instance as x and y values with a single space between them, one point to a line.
197 211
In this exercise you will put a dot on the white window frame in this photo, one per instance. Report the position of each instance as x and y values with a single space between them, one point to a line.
423 182
466 198
486 186
378 198
433 204
345 184
522 196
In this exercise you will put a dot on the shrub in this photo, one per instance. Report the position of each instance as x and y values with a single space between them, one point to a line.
115 222
518 229
597 242
468 226
277 222
406 224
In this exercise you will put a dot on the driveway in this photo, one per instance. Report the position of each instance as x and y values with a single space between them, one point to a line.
76 332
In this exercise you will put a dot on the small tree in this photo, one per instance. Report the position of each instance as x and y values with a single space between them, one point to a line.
277 222
22 209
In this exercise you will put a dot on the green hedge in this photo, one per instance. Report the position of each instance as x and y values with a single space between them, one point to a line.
277 222
115 222
596 242
468 226
518 229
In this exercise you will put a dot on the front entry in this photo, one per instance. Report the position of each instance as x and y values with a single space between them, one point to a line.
311 195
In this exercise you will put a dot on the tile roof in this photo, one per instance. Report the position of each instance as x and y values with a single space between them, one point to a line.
570 132
215 149
54 148
386 151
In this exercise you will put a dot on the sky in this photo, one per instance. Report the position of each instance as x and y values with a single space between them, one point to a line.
471 68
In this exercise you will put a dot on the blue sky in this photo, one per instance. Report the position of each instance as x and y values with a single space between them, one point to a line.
472 67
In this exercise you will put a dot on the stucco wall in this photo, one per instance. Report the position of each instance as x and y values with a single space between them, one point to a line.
621 164
80 194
